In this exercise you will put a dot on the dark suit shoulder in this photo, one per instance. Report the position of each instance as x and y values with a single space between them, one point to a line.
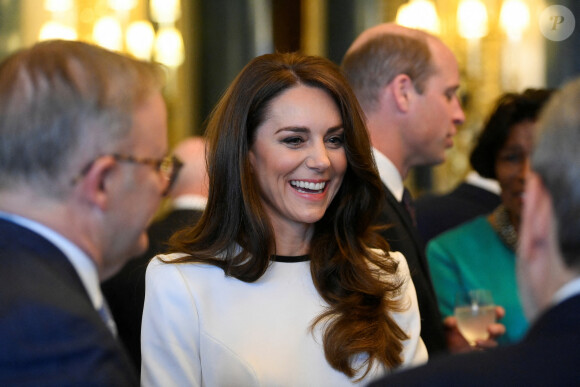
50 332
547 356
439 213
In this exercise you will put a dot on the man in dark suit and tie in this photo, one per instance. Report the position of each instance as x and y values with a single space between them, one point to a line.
83 167
406 82
125 292
548 271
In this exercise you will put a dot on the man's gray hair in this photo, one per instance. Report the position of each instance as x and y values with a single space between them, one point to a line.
556 159
63 103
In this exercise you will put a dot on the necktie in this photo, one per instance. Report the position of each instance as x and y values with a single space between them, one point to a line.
105 314
409 206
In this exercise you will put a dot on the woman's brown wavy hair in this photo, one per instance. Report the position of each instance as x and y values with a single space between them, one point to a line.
234 232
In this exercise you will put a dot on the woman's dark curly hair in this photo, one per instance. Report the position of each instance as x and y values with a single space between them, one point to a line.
235 234
510 109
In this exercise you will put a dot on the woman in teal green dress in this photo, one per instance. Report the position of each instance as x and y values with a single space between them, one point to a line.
480 254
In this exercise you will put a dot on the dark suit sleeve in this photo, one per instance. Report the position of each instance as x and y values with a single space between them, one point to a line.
59 345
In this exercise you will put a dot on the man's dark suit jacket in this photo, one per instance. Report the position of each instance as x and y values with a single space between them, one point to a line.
402 236
549 355
50 333
125 292
439 213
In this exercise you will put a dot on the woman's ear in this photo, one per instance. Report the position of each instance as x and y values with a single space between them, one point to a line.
403 90
95 184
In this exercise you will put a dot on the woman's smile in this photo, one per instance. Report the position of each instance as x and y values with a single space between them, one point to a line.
309 187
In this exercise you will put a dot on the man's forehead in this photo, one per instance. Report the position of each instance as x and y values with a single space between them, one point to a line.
444 60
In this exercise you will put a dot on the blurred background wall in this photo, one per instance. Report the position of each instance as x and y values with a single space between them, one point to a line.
205 43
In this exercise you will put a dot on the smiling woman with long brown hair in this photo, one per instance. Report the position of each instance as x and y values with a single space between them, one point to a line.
283 281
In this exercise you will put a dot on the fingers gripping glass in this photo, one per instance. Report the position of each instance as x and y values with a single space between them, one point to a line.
168 167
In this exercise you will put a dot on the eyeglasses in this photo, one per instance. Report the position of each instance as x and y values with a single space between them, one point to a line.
168 167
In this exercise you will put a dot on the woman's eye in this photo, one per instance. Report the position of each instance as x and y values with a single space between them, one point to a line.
512 157
293 141
336 141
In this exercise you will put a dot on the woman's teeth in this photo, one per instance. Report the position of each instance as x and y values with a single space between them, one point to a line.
306 185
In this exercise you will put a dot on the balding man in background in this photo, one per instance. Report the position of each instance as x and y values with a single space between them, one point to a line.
126 291
406 81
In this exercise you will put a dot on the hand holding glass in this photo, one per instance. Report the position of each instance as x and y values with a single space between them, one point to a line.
474 311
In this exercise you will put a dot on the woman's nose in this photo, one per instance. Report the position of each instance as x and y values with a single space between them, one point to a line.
525 168
318 158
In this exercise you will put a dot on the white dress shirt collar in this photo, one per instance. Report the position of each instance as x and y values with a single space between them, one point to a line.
389 175
189 202
83 265
569 290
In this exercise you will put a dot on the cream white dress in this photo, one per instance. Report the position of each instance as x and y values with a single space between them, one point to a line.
201 328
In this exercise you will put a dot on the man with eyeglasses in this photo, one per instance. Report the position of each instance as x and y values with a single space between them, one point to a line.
83 167
125 291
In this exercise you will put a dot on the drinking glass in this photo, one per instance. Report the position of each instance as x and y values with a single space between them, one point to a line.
474 311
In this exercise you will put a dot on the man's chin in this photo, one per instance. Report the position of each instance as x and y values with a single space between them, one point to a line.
434 161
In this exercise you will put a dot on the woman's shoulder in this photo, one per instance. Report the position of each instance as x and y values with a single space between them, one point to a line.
469 235
168 262
161 260
168 257
473 225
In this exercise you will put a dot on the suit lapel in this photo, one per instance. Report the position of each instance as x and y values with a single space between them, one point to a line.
408 224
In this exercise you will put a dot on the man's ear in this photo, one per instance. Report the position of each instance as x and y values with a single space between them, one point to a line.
95 182
403 90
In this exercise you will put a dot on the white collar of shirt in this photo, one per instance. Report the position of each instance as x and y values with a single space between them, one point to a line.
569 290
477 180
83 265
190 202
389 174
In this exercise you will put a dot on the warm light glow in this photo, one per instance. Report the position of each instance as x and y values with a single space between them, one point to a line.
420 14
55 30
472 19
122 5
58 5
107 33
165 11
169 47
139 39
514 18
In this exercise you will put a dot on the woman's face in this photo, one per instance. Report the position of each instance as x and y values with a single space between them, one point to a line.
298 157
512 165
